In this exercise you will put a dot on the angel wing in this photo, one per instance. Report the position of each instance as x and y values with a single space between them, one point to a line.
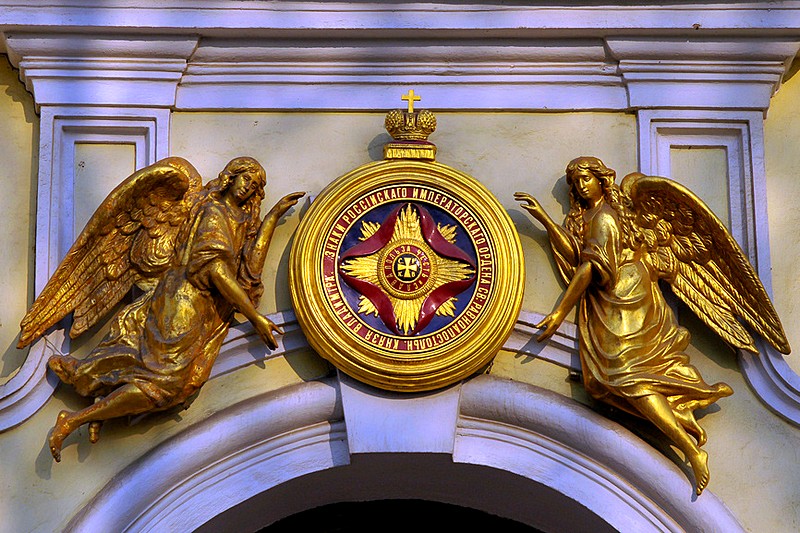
129 239
702 262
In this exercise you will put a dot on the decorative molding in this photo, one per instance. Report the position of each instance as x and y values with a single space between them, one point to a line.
29 389
773 381
284 452
231 456
739 133
131 71
561 349
357 61
706 73
60 129
520 73
492 19
505 417
242 347
365 74
108 82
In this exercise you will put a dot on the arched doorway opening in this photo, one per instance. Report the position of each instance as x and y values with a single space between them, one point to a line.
352 517
409 482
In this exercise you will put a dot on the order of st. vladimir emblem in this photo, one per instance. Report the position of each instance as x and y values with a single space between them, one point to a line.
408 269
405 273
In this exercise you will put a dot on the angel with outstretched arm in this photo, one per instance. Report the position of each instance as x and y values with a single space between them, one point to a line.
196 252
615 246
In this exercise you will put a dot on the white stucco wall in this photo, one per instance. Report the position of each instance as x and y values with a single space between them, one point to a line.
507 152
781 134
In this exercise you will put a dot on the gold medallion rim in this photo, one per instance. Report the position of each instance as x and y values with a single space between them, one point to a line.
441 365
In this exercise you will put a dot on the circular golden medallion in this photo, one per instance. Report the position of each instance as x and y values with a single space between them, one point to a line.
407 275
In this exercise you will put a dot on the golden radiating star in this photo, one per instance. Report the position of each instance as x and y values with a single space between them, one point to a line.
407 269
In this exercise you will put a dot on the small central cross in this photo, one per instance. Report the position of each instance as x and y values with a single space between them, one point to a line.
407 267
411 98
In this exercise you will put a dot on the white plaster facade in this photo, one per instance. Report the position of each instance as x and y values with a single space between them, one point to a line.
302 86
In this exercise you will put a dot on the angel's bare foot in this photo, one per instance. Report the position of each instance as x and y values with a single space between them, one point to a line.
699 463
94 431
689 423
723 389
61 431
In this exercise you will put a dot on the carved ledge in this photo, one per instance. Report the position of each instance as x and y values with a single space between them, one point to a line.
242 347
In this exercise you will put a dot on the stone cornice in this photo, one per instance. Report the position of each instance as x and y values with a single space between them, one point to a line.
259 18
615 73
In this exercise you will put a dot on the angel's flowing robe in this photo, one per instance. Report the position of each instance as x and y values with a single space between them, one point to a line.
166 341
630 343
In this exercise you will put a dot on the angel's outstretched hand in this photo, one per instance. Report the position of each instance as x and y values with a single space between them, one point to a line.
530 204
285 203
265 328
550 324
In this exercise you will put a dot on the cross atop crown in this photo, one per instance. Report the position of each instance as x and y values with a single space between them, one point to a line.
410 97
409 131
410 125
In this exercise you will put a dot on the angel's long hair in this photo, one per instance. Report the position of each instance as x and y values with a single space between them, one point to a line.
632 235
252 206
214 189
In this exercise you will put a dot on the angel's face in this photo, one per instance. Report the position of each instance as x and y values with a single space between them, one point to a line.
588 186
243 186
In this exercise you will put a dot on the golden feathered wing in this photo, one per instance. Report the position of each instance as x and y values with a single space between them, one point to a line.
691 248
130 239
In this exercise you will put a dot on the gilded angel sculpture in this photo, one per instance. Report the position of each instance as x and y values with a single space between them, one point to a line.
196 252
615 246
